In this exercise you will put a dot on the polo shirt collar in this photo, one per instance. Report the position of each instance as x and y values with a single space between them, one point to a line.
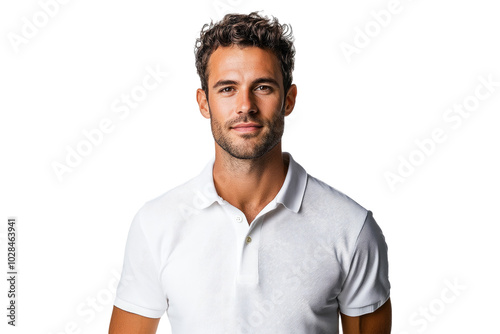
290 194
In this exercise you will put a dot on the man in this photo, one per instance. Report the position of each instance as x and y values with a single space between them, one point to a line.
253 244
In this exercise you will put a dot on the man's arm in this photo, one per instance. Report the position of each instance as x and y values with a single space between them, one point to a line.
378 322
123 322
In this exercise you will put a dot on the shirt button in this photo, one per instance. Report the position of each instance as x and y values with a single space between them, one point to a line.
239 219
248 240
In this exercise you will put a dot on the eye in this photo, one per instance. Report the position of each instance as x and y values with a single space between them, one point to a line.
226 90
264 88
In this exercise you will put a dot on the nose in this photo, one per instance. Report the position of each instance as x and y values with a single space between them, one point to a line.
246 102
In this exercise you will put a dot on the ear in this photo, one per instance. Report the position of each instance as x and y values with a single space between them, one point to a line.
201 98
290 99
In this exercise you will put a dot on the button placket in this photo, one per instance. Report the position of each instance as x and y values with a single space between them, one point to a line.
248 238
249 261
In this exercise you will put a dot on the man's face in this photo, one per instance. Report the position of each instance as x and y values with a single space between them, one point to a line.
245 100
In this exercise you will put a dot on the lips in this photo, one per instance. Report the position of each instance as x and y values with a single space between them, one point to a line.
246 125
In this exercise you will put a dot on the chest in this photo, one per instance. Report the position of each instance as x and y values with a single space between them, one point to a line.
226 265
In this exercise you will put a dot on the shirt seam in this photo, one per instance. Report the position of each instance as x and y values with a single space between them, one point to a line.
362 310
121 302
354 249
148 245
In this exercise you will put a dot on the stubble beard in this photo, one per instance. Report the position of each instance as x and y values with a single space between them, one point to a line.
274 131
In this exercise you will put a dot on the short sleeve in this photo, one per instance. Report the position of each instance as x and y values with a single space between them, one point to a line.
367 286
139 290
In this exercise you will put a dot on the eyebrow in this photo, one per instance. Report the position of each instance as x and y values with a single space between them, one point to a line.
268 80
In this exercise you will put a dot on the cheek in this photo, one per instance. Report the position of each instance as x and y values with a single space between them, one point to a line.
221 107
274 101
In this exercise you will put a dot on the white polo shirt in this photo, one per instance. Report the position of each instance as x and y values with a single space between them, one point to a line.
310 252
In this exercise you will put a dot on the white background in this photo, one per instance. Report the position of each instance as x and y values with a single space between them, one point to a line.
355 118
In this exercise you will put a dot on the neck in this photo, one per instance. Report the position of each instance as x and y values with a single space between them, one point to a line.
249 184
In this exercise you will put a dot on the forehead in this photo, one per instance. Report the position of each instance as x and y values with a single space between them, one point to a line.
244 62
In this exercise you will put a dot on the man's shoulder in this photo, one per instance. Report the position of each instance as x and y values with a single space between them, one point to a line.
178 201
321 196
175 193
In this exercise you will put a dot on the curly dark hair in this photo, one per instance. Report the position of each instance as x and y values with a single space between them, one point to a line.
246 30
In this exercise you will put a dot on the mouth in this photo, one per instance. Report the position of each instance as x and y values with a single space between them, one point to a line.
246 127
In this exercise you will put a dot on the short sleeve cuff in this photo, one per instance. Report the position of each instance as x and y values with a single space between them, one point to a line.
132 308
358 311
